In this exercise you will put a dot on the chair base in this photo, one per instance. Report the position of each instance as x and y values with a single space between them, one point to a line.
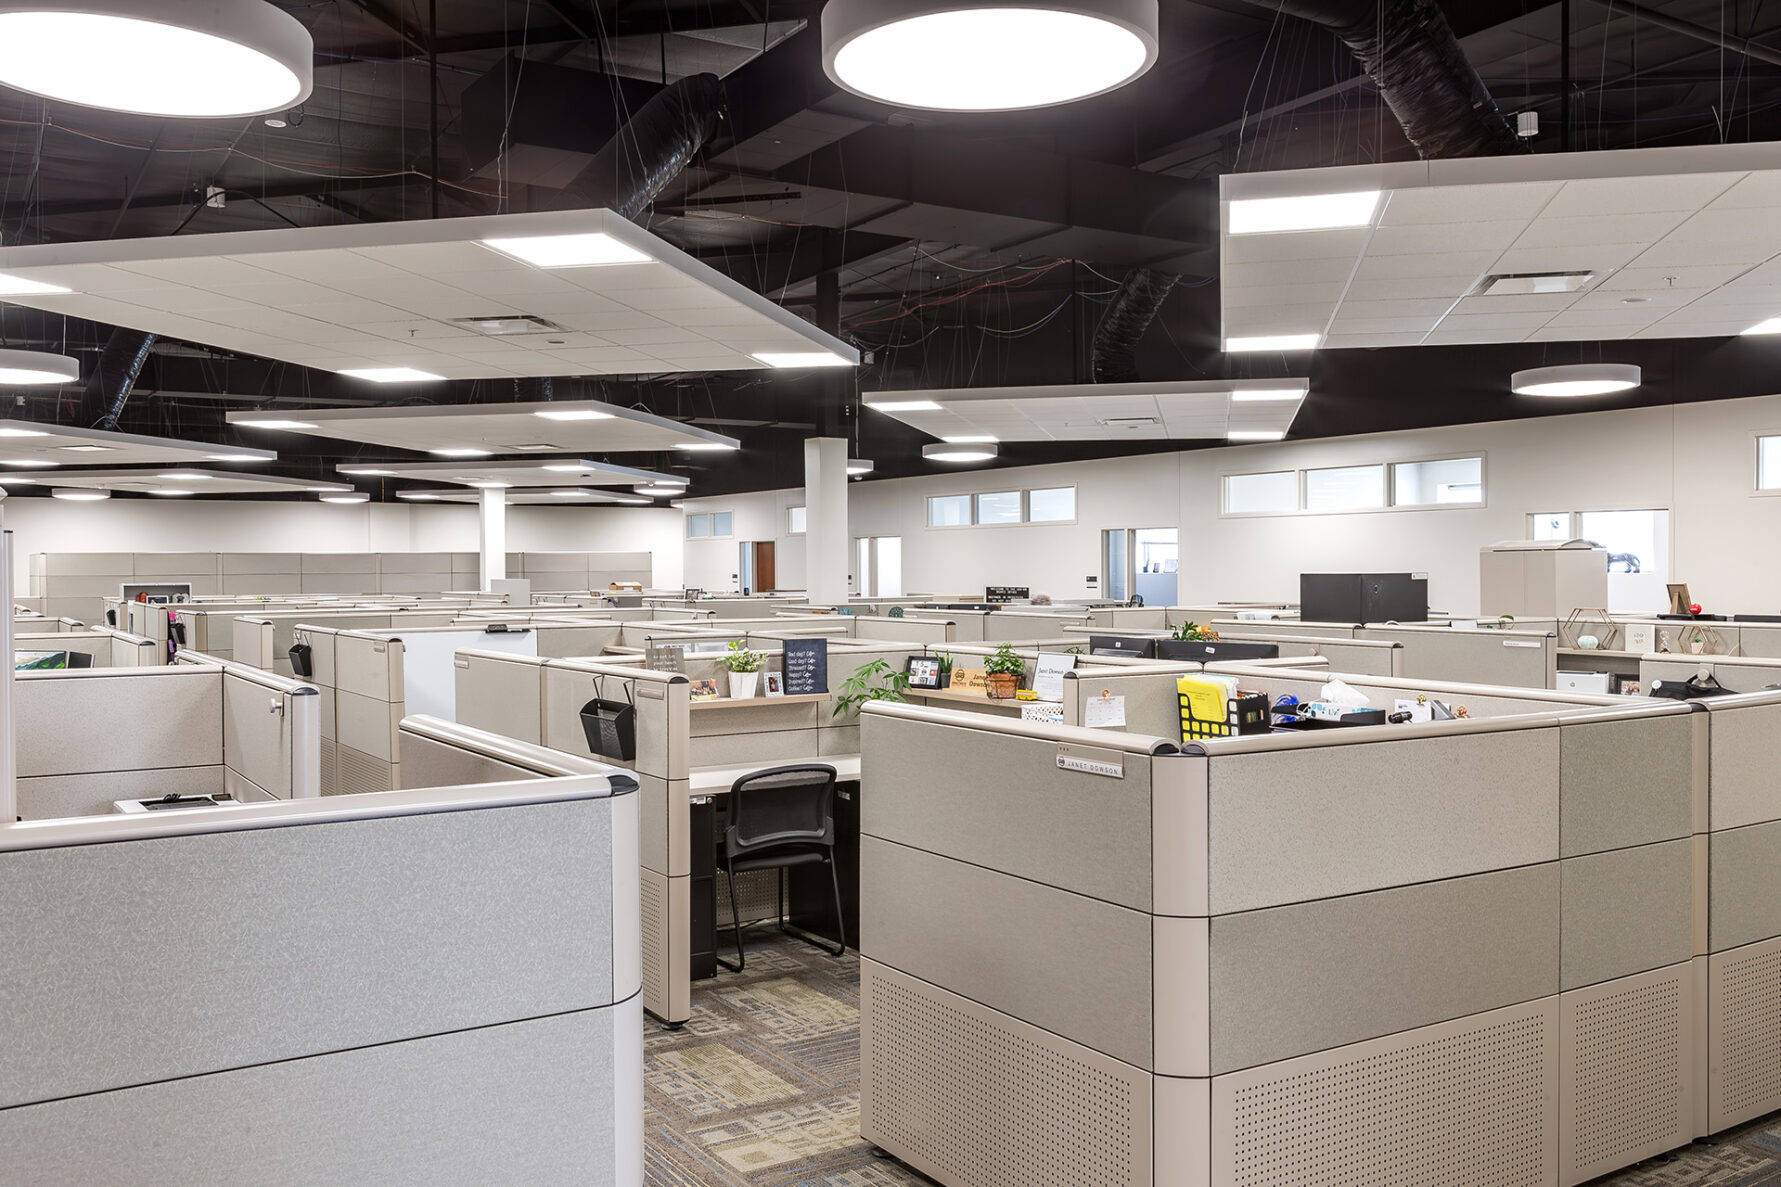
820 943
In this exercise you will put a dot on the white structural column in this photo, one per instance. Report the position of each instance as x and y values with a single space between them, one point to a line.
494 538
827 545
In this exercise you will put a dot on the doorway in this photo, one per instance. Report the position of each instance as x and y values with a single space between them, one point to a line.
878 571
758 566
1142 562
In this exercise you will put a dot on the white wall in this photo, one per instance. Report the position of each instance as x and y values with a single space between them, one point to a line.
712 564
140 525
1697 460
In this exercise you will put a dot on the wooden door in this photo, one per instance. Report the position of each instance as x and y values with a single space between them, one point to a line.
765 578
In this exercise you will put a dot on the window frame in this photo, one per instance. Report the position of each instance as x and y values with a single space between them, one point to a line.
1758 490
695 517
1027 499
797 531
1224 494
1391 506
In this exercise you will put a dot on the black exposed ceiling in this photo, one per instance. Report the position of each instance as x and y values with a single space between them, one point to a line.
957 250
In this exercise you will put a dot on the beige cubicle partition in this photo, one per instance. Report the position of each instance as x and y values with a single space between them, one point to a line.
109 648
89 737
1523 659
1459 952
255 993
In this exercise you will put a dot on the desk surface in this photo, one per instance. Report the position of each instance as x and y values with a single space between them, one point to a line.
719 780
761 702
973 697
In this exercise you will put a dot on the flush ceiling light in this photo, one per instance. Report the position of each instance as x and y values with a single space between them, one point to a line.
417 496
574 414
563 468
171 494
29 463
392 375
36 433
1254 435
18 286
661 488
23 368
706 447
1266 396
1771 326
571 494
486 484
458 453
275 424
79 494
234 457
181 58
67 448
958 453
904 406
970 440
1281 342
359 473
569 251
802 358
346 496
987 55
1315 212
184 476
1578 379
859 466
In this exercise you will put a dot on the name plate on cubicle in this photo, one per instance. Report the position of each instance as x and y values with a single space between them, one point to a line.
1520 643
806 667
970 680
1091 761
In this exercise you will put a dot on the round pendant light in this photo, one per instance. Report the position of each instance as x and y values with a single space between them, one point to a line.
80 494
346 496
1577 379
947 452
987 55
24 368
197 59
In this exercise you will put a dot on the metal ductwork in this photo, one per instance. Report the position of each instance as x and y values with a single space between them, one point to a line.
1409 51
1134 307
651 150
115 375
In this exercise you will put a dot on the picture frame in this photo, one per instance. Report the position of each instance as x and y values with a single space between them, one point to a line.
705 690
1680 601
923 672
774 683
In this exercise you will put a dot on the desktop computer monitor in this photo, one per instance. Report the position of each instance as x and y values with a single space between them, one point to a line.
80 659
1121 645
1200 651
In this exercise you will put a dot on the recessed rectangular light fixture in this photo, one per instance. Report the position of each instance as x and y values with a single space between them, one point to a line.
76 448
1266 396
183 476
1313 212
507 326
564 467
905 406
594 250
1771 326
1534 284
28 463
356 472
275 424
573 414
971 440
18 286
459 452
1255 435
706 447
802 358
30 433
392 375
486 484
234 457
1265 342
538 447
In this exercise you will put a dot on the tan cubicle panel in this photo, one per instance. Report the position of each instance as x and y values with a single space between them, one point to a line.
1522 659
109 648
1488 925
1288 626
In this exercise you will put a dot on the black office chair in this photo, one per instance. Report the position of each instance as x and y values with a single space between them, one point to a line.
780 818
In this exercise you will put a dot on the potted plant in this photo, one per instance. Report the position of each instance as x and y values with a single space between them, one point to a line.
745 670
1193 632
876 681
1005 669
1697 644
946 661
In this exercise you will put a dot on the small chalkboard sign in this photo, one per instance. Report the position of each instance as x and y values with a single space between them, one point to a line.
1007 593
806 667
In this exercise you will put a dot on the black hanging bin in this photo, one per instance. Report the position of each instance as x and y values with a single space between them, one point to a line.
302 660
611 727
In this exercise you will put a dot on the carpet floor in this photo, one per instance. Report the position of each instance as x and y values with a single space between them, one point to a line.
762 1089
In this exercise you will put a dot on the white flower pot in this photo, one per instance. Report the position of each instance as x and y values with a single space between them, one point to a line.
743 684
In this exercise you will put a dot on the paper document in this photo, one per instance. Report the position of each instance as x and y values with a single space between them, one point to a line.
1043 712
1048 677
1099 713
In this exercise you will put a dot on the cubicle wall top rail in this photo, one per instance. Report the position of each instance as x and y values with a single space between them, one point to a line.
549 764
1260 669
260 676
1068 735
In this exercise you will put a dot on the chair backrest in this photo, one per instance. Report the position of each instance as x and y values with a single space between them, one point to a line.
781 806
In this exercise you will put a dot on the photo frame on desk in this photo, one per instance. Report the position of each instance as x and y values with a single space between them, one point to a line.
775 683
923 672
1680 601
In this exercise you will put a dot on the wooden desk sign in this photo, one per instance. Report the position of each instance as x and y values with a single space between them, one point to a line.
970 680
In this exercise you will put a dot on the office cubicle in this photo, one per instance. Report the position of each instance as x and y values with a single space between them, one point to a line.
104 648
254 993
89 737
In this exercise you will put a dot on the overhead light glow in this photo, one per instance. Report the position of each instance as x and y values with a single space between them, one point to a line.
1254 435
346 496
1771 326
904 406
1266 396
459 453
359 473
858 466
418 496
392 375
1313 212
65 448
184 476
39 433
574 414
958 453
594 250
1280 342
970 440
564 467
486 484
661 488
1535 284
571 494
80 494
1577 379
707 447
234 457
173 58
275 424
960 56
805 358
29 463
172 494
31 368
18 286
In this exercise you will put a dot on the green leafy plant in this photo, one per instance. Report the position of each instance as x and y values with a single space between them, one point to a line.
740 659
946 662
1074 651
876 681
1193 632
1005 662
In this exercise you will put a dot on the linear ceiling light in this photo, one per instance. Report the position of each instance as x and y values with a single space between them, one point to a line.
18 286
856 467
29 463
987 55
275 424
707 447
659 489
230 457
1577 379
802 358
37 433
79 494
958 453
593 250
574 414
346 496
1314 212
1280 342
27 368
172 494
357 472
904 406
1771 326
979 440
392 375
1254 435
1267 396
182 58
459 453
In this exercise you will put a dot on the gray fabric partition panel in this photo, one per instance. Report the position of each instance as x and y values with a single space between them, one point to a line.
1744 893
764 718
1745 779
229 949
1628 782
1070 964
566 690
152 719
1625 912
55 797
1312 976
1000 801
1479 657
428 763
729 750
1326 630
504 697
1293 825
1152 703
257 739
1760 641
